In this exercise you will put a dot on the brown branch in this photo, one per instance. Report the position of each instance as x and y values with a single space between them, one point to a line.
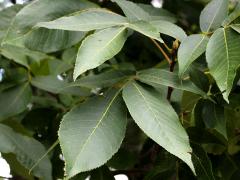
162 51
166 46
172 65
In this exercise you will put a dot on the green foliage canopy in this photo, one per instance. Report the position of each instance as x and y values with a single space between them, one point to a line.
95 89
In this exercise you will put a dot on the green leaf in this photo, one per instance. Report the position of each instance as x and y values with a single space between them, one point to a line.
91 133
21 33
213 117
158 77
158 13
6 16
190 49
98 48
199 79
155 116
27 151
57 86
47 40
146 29
233 16
57 66
236 27
105 79
22 56
213 15
17 167
169 29
223 58
132 10
14 100
86 21
202 163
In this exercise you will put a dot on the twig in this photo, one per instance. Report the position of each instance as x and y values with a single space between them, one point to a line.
166 46
162 51
172 65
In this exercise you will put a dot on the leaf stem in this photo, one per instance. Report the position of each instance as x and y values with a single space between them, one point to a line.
166 46
172 65
162 51
44 155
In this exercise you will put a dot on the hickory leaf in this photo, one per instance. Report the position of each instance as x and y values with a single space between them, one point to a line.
6 16
158 77
57 86
98 48
106 79
155 116
86 21
132 10
169 29
213 15
236 27
92 132
223 58
146 29
14 100
20 32
190 49
233 16
27 150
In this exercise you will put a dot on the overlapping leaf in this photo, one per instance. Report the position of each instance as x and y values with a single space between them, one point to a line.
98 48
146 29
158 13
213 117
86 21
236 27
22 56
6 16
40 11
155 116
213 15
132 11
190 49
58 86
14 100
27 150
158 77
92 132
106 79
223 58
169 28
202 163
233 16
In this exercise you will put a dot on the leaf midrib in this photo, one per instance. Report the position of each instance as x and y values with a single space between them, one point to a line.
191 55
150 109
211 23
121 29
227 54
95 128
19 146
31 29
